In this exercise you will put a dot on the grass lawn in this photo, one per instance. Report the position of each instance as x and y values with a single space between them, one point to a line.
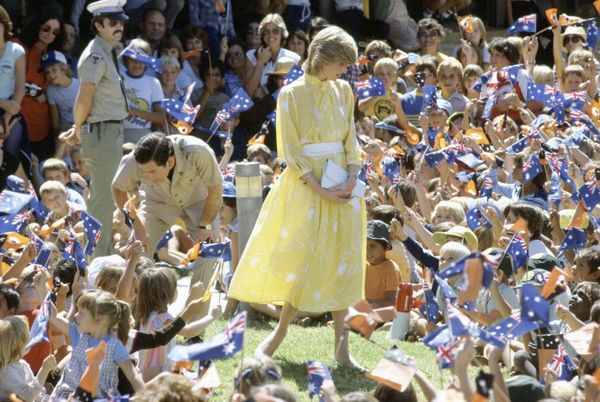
316 343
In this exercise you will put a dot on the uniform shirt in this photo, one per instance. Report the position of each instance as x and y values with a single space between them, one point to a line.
12 52
96 66
195 169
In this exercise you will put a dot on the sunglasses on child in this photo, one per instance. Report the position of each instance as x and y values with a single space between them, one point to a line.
573 39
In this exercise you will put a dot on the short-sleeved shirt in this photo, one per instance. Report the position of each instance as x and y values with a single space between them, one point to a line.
96 66
64 98
8 62
195 169
457 100
380 279
142 93
270 66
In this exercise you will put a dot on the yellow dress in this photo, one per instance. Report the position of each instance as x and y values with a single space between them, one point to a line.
304 249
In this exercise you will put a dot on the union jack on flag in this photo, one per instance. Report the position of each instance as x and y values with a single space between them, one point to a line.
561 364
370 87
446 353
317 373
486 187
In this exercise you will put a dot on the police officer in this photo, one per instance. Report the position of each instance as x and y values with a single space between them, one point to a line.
99 111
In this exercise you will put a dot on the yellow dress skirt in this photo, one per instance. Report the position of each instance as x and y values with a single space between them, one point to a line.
304 249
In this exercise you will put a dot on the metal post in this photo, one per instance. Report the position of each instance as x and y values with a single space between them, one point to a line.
248 184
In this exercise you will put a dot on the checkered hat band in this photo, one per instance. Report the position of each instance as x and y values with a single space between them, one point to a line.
108 10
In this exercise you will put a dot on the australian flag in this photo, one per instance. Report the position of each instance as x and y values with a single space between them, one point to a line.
590 194
73 252
592 35
534 308
558 165
419 79
136 53
93 230
531 168
487 187
429 98
39 328
223 345
165 239
217 250
369 88
292 75
518 251
240 102
575 238
430 309
317 373
574 100
481 81
527 23
15 222
179 110
446 352
391 169
434 158
44 251
476 218
12 202
562 365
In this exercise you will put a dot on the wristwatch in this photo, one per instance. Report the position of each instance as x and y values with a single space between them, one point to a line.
206 227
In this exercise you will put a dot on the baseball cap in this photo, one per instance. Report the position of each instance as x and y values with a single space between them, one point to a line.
53 57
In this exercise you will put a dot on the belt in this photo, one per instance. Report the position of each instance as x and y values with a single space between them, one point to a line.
107 121
322 148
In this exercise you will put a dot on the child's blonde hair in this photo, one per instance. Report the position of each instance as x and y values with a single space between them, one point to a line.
454 250
575 69
543 74
156 290
109 277
452 64
455 209
64 68
170 61
100 303
478 23
385 64
14 333
258 150
52 186
55 164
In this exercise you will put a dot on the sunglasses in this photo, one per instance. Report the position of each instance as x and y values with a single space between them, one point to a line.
573 39
274 31
114 23
47 28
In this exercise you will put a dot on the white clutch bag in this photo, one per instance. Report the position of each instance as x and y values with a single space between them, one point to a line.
334 174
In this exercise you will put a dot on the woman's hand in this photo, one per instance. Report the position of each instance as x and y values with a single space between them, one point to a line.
263 54
10 106
336 196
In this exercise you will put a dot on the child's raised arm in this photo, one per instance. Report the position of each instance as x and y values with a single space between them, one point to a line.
196 327
135 251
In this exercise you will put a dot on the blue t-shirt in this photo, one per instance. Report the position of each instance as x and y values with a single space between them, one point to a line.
8 62
64 98
121 353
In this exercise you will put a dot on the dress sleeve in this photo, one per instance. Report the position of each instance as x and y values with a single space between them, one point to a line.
288 132
350 141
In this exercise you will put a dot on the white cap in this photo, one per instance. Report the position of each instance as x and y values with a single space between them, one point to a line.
112 9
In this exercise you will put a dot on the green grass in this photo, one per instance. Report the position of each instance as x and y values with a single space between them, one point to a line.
303 344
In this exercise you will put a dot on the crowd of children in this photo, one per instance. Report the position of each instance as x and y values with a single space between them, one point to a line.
483 197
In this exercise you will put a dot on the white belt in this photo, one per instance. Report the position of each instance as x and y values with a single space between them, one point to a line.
322 148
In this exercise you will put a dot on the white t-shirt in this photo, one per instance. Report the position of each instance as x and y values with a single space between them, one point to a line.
142 93
187 76
270 66
8 61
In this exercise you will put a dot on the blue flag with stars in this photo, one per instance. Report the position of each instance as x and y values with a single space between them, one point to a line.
430 309
44 251
518 252
136 53
317 373
592 35
240 102
93 230
590 194
39 328
429 98
575 238
527 23
12 202
223 345
476 218
217 250
434 158
73 251
487 187
292 75
534 307
180 110
15 222
531 168
165 239
369 88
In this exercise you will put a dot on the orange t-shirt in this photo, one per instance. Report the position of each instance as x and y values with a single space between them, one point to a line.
36 114
380 279
38 352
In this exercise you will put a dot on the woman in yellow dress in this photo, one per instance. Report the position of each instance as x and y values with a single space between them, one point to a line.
307 249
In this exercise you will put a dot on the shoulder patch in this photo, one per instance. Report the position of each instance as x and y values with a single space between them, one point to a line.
95 57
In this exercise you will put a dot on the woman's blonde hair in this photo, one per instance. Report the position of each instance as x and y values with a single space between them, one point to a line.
274 19
100 303
14 333
478 23
156 290
331 45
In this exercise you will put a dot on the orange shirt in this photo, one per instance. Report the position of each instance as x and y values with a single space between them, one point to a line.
36 114
380 279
